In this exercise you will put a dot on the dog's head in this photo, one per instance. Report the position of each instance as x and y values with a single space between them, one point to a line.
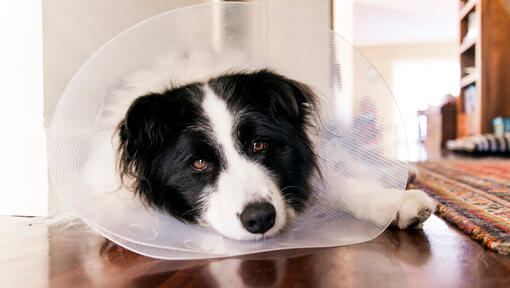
232 153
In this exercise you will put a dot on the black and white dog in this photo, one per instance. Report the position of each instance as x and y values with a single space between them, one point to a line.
231 152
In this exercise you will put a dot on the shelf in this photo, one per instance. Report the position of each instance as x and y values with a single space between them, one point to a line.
470 5
488 69
468 79
468 44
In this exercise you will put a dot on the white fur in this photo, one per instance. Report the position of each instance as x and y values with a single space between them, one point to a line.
376 206
242 183
370 201
415 205
100 169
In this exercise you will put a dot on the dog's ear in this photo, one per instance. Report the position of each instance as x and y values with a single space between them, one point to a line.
146 124
303 101
285 97
152 121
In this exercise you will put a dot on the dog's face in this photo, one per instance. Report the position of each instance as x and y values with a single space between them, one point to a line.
232 153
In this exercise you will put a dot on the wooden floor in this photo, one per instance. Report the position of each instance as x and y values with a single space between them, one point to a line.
35 255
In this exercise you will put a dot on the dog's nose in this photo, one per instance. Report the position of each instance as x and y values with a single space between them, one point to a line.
258 217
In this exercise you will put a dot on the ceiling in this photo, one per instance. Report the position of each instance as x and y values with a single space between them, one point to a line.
383 22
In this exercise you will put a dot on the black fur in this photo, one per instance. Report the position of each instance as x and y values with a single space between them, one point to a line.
162 134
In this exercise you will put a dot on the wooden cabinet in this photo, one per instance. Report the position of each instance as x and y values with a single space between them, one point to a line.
485 65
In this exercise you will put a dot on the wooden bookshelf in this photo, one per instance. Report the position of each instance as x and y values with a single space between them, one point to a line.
484 52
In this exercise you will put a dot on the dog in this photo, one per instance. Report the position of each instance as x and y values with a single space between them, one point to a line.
232 152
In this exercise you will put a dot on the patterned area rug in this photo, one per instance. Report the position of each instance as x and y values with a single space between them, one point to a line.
474 195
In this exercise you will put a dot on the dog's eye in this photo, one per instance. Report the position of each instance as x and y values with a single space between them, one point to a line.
200 164
259 146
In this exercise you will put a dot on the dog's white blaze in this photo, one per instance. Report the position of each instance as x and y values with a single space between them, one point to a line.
243 182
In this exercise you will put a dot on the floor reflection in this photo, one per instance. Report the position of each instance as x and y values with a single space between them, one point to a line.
412 247
349 264
72 255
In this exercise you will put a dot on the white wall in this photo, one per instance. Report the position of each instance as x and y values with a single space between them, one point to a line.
382 56
383 22
23 173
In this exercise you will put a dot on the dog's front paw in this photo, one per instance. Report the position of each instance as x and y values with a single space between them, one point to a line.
416 207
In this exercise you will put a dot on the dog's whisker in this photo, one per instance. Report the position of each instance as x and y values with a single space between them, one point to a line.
287 187
189 211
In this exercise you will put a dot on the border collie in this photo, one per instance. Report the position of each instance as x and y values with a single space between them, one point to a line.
231 152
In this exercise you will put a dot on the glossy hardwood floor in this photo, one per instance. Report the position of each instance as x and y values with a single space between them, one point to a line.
33 254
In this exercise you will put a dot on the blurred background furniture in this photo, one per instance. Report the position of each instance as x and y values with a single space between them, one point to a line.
439 125
448 122
485 65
